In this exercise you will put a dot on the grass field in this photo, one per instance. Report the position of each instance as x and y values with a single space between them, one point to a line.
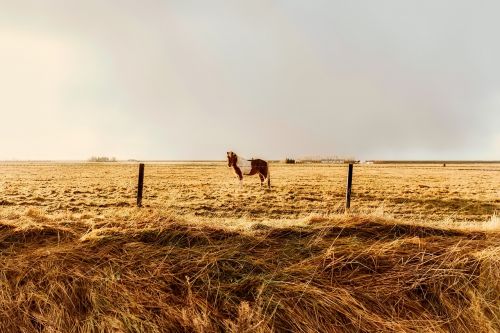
418 252
430 192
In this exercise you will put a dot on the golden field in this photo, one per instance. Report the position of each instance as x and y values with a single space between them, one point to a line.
418 252
429 192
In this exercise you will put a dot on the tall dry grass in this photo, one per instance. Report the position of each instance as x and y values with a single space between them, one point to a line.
151 271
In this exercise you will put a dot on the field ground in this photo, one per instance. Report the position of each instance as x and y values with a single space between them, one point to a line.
428 192
419 251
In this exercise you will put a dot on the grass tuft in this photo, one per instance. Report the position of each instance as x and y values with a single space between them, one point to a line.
144 271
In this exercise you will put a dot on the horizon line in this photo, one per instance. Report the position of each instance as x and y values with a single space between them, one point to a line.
223 160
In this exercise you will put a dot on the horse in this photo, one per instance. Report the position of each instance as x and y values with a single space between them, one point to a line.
243 167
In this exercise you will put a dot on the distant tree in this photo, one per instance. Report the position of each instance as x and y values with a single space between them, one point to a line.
102 159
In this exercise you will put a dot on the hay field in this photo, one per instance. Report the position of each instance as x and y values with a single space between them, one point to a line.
419 251
430 192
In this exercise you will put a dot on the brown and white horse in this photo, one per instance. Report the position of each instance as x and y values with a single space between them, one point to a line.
243 167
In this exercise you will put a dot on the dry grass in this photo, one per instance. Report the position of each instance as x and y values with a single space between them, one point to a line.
76 256
429 192
149 271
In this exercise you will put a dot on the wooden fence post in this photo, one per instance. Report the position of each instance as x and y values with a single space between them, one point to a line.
348 189
140 185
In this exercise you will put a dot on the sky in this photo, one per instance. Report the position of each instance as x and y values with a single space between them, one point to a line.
183 80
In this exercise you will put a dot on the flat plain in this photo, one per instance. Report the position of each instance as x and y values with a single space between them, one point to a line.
427 192
419 251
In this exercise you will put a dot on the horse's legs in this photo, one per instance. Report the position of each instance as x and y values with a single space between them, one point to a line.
239 174
262 178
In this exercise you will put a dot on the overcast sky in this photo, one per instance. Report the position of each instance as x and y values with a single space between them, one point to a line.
183 79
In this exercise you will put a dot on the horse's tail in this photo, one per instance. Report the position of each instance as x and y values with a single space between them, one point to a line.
268 176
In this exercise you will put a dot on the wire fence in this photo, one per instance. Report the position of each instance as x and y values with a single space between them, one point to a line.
211 189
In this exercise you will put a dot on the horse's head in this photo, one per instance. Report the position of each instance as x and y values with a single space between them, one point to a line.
231 158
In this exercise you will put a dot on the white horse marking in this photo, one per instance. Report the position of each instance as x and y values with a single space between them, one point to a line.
244 165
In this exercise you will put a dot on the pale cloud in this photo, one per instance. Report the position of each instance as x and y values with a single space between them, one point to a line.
191 79
36 68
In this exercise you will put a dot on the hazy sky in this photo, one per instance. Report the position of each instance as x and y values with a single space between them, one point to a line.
386 79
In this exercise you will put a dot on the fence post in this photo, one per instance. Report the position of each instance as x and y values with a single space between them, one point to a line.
140 185
348 189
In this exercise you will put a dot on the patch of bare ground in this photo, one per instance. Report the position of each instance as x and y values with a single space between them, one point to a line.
152 271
